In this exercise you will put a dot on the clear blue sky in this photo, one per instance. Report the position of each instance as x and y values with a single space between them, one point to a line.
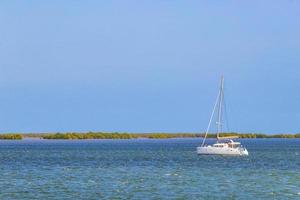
147 66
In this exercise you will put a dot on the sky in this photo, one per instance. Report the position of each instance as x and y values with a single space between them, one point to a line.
148 66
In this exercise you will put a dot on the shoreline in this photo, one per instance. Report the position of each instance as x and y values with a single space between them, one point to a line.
116 135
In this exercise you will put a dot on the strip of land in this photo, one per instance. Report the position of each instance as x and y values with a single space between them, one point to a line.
116 135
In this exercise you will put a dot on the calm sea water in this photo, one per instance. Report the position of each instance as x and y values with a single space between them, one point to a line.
147 169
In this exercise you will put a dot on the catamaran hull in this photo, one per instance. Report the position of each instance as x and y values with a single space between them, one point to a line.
210 150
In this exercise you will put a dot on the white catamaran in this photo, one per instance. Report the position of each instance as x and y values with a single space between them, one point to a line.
224 145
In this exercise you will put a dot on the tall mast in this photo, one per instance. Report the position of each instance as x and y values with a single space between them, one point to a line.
219 122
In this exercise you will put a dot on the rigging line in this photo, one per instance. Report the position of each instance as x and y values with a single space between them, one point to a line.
211 117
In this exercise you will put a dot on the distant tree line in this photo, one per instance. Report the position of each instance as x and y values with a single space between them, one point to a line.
89 135
240 135
167 135
256 135
11 137
116 135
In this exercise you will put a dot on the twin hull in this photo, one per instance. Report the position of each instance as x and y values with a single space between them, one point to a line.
210 150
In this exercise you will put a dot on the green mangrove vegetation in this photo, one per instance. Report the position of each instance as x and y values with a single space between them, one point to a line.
116 135
256 135
89 135
11 137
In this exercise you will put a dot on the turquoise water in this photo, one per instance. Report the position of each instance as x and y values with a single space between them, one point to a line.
147 169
